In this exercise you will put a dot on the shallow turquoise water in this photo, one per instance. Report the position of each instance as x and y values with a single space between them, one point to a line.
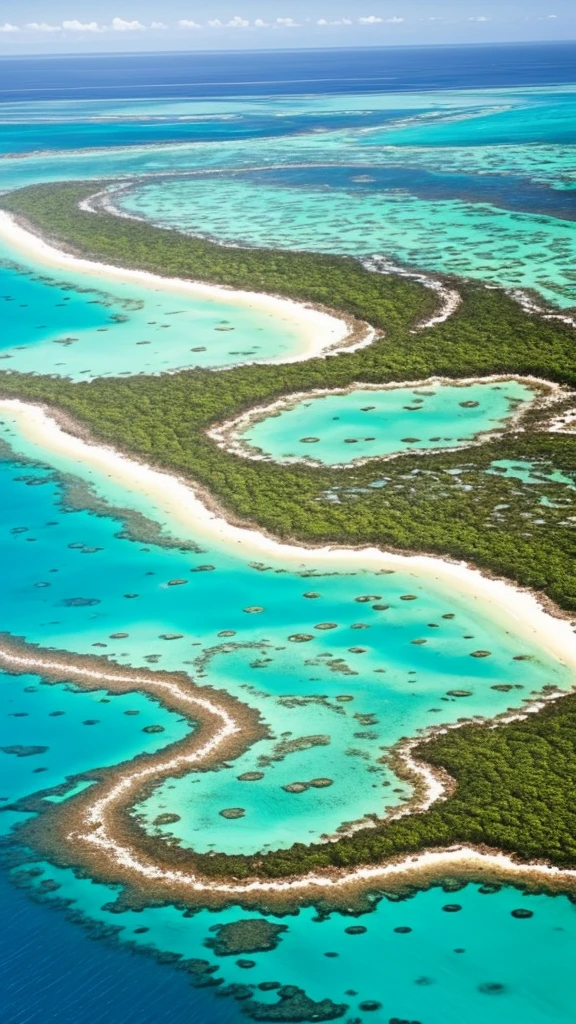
510 249
331 429
52 556
66 581
478 956
78 325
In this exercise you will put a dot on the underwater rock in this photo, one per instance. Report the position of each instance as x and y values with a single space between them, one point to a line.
469 405
326 625
459 693
296 787
18 750
253 935
311 594
356 929
232 812
300 638
253 609
151 729
171 636
295 1006
480 654
451 908
176 583
309 440
79 602
322 783
251 777
409 597
227 632
166 819
521 914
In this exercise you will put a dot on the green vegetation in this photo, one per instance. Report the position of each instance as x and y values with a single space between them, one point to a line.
495 522
515 783
515 793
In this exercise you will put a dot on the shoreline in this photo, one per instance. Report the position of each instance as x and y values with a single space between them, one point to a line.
192 508
225 434
322 331
79 831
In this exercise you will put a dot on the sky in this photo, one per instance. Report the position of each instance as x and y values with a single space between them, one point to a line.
75 26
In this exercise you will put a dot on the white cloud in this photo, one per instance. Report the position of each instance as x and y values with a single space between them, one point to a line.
394 21
260 24
238 22
186 23
287 22
548 17
216 23
41 26
160 24
7 27
80 26
370 20
119 25
337 21
481 18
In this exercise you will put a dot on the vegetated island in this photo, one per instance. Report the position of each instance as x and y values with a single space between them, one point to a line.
514 782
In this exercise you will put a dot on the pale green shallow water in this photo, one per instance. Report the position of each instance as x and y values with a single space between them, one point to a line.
366 423
510 249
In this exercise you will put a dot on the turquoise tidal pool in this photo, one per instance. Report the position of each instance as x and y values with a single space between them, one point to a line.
341 428
341 659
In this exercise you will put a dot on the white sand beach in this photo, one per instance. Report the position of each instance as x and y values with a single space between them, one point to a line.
320 331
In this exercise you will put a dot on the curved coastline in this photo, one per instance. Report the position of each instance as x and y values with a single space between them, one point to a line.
91 828
93 842
323 331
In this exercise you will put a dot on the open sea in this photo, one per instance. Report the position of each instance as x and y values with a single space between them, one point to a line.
457 160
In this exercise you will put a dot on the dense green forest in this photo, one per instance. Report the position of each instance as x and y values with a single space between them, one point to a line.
492 520
515 783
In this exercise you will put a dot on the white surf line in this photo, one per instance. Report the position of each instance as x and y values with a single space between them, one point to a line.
519 607
450 299
322 332
531 306
225 434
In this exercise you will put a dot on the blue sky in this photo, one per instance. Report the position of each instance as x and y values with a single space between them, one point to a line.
70 26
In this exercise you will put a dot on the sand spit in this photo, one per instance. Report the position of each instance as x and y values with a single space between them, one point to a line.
226 434
94 830
321 331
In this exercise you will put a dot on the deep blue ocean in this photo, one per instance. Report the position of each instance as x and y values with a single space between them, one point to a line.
286 72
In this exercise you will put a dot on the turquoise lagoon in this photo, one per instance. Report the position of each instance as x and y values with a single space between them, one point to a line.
337 429
76 324
66 580
478 956
74 576
497 246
